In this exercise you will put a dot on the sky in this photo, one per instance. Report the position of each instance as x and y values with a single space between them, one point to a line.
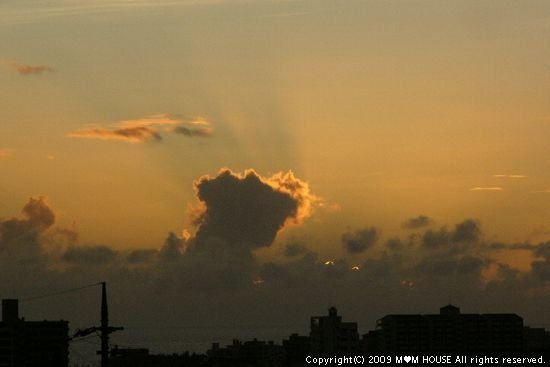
229 154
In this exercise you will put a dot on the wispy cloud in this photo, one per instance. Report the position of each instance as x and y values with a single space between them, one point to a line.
146 129
287 14
161 119
509 176
4 153
487 189
27 69
547 191
16 12
129 135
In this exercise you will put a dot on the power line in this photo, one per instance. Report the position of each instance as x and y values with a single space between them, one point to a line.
85 338
59 293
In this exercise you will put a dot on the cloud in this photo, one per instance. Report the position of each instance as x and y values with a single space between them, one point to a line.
496 188
359 241
27 69
417 222
246 210
4 153
146 129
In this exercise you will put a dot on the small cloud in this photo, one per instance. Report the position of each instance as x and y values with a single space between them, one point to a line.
487 189
417 222
51 157
147 128
27 69
359 241
5 153
547 191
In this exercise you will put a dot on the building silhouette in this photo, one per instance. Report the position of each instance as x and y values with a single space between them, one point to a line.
31 343
140 357
329 335
451 331
254 353
297 348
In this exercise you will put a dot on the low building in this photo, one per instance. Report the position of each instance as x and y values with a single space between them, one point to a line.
297 348
254 353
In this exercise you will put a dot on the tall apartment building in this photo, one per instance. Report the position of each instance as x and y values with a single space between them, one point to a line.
31 343
448 331
329 335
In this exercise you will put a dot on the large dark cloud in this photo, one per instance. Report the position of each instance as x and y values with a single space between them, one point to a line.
359 241
246 210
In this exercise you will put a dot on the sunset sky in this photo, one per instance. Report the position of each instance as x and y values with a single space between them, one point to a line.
431 112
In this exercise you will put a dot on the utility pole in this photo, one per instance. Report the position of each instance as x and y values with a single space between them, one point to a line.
105 329
104 326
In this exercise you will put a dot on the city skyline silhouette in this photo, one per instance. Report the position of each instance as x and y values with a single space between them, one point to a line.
230 168
449 333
